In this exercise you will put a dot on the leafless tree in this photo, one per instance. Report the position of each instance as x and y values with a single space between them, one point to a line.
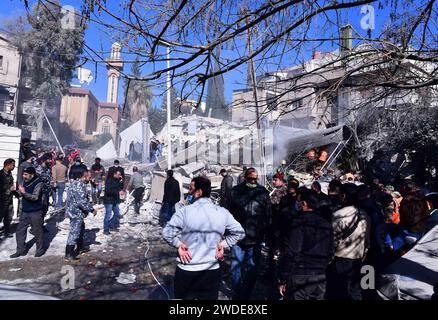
386 64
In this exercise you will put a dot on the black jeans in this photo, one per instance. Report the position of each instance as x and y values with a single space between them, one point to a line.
6 214
200 285
343 279
34 219
138 197
306 287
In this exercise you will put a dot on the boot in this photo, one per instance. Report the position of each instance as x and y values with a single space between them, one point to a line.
81 248
17 254
70 254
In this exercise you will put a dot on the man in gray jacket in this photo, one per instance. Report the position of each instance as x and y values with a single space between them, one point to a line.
136 183
198 231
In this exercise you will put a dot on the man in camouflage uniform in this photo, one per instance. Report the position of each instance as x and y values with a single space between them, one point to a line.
44 171
7 190
77 208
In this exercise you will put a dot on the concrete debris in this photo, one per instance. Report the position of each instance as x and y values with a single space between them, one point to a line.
157 187
192 168
126 278
14 269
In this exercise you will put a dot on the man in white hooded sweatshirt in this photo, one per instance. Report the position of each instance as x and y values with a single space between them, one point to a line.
198 230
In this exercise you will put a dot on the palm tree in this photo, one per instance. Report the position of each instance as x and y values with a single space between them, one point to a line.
139 98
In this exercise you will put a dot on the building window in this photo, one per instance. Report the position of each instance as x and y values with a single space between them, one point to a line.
106 126
3 100
106 129
113 80
271 101
296 105
1 62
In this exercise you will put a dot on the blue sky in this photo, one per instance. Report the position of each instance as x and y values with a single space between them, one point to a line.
99 40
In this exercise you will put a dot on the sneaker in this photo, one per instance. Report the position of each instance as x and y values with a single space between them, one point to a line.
17 254
106 232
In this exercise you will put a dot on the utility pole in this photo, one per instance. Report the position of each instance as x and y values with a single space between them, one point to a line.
53 132
169 141
254 86
145 135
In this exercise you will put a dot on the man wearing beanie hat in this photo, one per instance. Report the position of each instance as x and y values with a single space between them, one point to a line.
32 213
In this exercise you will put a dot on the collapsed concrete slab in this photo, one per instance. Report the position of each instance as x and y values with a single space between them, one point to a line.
192 168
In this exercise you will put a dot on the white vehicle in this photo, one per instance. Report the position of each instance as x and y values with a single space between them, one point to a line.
414 276
17 293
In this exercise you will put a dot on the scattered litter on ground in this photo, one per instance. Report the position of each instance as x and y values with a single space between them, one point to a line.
126 278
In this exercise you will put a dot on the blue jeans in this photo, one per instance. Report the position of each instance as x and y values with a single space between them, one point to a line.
244 268
108 221
167 211
96 191
58 194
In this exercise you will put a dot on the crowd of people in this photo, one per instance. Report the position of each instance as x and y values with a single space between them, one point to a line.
316 242
43 177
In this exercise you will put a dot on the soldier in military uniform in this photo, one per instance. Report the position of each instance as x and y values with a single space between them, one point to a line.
7 190
44 171
77 208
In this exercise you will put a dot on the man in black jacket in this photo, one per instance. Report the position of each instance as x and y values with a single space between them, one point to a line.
377 242
172 195
111 200
77 169
332 202
251 207
308 250
7 191
115 167
32 213
226 189
288 210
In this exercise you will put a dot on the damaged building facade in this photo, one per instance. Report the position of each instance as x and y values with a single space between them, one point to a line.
332 88
18 107
10 61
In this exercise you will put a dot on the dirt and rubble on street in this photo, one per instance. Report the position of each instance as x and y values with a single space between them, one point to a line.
110 258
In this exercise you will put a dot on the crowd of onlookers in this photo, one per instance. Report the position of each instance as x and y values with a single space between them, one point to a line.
316 242
43 177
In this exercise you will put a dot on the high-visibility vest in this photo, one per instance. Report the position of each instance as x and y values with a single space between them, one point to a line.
396 213
323 155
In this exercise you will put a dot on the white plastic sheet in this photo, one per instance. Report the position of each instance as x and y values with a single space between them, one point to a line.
107 152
